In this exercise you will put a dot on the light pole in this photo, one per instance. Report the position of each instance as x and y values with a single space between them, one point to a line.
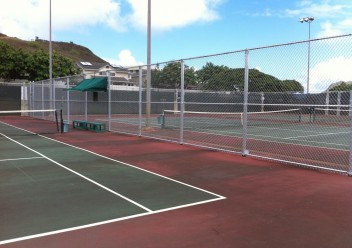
309 20
51 85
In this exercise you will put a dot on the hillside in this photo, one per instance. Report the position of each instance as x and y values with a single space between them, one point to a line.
70 50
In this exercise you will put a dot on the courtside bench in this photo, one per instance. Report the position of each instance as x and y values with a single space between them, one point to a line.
89 125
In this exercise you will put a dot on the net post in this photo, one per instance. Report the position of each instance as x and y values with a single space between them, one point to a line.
327 101
140 82
300 115
61 121
338 103
57 121
262 99
182 101
245 152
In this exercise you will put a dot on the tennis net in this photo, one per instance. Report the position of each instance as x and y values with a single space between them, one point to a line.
228 120
25 122
332 116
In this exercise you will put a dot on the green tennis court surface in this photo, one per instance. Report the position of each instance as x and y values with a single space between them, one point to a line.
50 187
283 128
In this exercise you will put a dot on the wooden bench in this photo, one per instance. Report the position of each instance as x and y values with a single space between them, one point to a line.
89 125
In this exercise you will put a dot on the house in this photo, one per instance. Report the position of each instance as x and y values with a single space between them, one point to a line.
120 76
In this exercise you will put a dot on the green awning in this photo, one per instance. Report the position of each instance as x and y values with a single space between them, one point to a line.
92 84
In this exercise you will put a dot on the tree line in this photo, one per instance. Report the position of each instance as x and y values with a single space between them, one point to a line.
343 86
220 78
18 64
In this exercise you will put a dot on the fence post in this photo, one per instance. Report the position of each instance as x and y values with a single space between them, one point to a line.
182 100
43 97
86 106
140 80
350 157
30 96
109 101
54 94
245 106
68 100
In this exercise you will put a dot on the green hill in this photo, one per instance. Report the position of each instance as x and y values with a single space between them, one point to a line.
67 49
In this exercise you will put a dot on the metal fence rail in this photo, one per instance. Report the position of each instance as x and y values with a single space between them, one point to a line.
237 102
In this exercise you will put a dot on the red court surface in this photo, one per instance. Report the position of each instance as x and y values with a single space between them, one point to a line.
267 204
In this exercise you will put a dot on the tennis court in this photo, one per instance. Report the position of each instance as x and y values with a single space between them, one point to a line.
314 139
88 189
50 187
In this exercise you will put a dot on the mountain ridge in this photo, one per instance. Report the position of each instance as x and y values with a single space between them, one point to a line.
70 50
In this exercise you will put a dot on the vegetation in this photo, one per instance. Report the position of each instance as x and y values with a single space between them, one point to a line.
343 86
221 78
66 49
18 64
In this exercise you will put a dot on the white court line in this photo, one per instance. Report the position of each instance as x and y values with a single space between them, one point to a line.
80 175
135 167
277 140
104 222
314 135
102 156
15 159
149 212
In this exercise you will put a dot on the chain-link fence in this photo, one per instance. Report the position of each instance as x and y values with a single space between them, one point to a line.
253 102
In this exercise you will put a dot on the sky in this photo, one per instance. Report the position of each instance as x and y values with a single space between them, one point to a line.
116 30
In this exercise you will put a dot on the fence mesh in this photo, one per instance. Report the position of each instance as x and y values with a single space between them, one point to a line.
254 102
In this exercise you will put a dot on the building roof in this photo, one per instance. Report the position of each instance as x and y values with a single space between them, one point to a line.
97 66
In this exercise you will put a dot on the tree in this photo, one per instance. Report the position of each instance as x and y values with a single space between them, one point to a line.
38 66
223 78
12 62
17 64
343 86
170 77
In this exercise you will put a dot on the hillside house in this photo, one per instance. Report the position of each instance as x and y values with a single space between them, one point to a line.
120 76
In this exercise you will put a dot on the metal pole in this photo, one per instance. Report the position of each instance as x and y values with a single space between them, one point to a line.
140 101
349 172
43 106
182 100
109 101
148 104
50 60
308 57
309 20
86 106
245 106
68 101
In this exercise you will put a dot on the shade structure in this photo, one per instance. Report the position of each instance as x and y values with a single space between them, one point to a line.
92 84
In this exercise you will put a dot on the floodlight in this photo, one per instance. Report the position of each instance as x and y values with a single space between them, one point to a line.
309 20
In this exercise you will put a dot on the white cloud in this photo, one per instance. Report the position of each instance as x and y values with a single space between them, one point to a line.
29 18
330 71
325 9
334 16
124 58
167 14
338 28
